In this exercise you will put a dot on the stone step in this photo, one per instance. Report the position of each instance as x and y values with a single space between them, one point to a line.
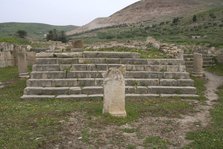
204 55
104 67
89 54
109 61
100 96
98 74
204 58
107 54
91 90
204 66
191 62
99 82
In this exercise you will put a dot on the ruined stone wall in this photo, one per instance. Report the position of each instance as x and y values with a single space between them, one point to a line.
31 58
8 55
6 59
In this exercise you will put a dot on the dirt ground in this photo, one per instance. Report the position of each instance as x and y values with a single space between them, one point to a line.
79 134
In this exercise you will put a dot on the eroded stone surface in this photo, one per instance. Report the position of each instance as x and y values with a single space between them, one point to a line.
198 65
22 63
114 92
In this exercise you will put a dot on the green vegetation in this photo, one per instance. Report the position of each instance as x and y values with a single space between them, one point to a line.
129 130
55 35
8 73
155 142
15 40
212 136
207 26
130 146
217 69
199 84
21 33
34 30
85 135
33 123
144 53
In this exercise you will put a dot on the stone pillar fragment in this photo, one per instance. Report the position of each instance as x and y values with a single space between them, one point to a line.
22 64
198 65
114 92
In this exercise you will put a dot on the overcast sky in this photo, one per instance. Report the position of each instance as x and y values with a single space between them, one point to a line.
59 12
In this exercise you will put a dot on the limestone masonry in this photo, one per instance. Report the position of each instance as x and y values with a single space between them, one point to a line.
78 75
8 54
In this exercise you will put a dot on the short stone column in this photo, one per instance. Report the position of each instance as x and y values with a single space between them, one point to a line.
198 65
22 64
114 92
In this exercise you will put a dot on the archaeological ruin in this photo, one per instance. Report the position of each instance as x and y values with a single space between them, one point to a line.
78 75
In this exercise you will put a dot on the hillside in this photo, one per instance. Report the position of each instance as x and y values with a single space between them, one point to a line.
34 30
205 28
150 11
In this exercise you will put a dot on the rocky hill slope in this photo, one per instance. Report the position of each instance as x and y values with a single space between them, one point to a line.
149 11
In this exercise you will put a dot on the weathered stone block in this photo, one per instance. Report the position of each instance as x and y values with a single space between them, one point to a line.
22 64
114 92
198 65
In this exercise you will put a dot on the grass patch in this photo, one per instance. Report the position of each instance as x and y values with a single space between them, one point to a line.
85 135
32 124
199 83
155 142
212 136
135 109
217 69
129 130
8 73
130 146
14 40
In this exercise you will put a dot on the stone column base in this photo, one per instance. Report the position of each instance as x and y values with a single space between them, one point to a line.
24 75
119 114
198 74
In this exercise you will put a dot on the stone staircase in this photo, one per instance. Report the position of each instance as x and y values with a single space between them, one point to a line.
78 75
208 61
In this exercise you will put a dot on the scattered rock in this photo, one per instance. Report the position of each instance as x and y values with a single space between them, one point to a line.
1 85
153 42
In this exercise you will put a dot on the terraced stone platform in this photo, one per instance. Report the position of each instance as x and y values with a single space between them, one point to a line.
78 75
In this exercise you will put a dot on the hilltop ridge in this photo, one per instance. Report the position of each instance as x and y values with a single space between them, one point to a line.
150 11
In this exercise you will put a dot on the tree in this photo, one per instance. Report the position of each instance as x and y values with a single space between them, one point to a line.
212 15
176 20
54 35
49 36
194 18
21 33
63 37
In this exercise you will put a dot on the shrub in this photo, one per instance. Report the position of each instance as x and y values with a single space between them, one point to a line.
176 20
21 33
55 35
194 18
